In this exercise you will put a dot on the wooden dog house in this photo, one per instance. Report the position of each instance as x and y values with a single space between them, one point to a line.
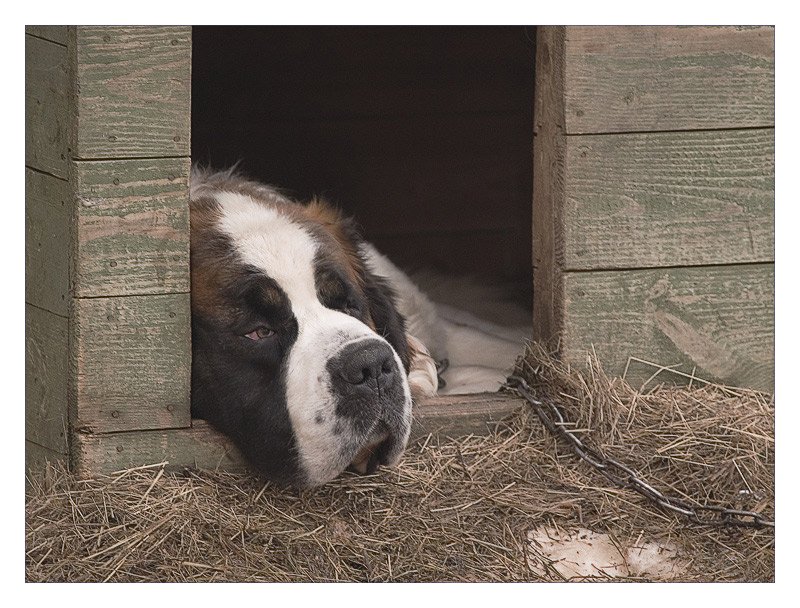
647 154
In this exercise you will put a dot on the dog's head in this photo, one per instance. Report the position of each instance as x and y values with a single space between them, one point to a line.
299 354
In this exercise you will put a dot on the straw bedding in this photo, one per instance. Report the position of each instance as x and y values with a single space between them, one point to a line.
454 510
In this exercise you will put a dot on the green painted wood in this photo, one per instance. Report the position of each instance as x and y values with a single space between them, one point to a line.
46 377
134 91
199 446
669 199
48 211
622 79
53 33
717 319
47 106
131 359
132 231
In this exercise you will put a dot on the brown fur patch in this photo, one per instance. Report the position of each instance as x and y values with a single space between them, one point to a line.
323 213
205 255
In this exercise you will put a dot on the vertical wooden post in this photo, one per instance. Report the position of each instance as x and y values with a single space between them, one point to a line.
549 156
107 215
130 322
48 209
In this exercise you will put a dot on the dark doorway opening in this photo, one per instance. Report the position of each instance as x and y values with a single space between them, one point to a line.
423 134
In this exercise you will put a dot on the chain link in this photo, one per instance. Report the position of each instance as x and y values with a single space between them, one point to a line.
625 477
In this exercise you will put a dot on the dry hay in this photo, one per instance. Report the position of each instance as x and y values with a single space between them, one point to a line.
454 510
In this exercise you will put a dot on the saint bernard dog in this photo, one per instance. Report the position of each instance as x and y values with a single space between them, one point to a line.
308 346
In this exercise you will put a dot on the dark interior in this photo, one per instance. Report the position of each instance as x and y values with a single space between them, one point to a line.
424 134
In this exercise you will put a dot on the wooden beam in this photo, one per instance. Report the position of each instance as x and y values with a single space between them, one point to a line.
131 358
199 446
132 232
48 219
202 446
669 199
37 456
134 91
47 107
460 415
665 78
53 33
46 377
549 151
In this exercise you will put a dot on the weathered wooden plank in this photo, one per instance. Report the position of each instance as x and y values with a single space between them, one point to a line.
717 319
460 415
669 78
199 446
549 152
202 446
670 199
131 359
46 377
37 456
53 33
134 91
47 106
132 232
48 212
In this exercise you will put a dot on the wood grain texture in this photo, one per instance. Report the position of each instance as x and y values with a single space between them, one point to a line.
461 415
204 447
717 319
132 232
663 78
134 91
549 154
46 377
48 214
53 33
670 199
47 106
37 457
199 446
131 361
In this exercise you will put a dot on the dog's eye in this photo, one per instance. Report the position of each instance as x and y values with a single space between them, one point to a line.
259 333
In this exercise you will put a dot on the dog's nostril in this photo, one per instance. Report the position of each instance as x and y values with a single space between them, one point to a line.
362 364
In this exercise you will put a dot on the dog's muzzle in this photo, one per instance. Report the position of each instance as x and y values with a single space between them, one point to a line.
368 384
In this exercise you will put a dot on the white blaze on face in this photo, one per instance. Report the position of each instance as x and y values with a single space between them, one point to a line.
270 241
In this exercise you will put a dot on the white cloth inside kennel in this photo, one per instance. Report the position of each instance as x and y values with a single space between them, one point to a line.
450 317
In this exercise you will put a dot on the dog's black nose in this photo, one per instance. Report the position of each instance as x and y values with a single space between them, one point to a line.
367 383
367 364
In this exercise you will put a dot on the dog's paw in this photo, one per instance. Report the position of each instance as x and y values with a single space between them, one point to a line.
423 377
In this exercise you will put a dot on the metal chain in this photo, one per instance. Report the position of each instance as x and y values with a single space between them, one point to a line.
625 477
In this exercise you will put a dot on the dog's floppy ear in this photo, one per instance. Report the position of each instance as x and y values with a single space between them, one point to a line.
388 321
